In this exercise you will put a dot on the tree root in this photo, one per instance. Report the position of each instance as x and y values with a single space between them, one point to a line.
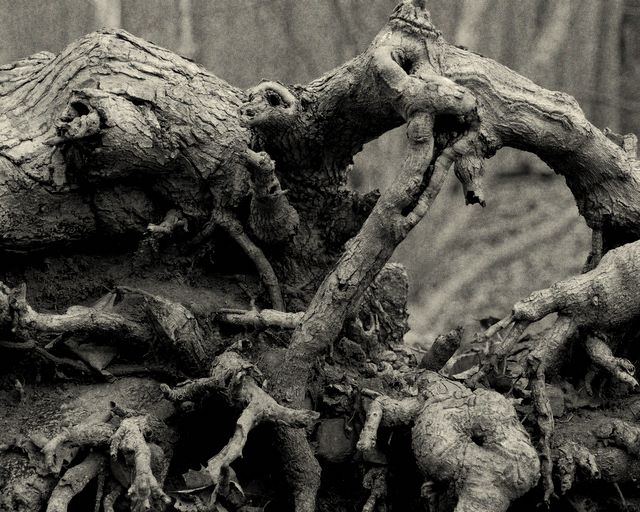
301 468
601 299
75 480
388 412
375 480
481 461
67 442
99 491
27 323
418 98
571 459
544 419
409 74
604 443
173 221
176 324
236 378
621 433
473 439
128 439
260 319
112 496
538 361
441 350
596 251
412 89
383 305
601 355
233 227
271 217
369 434
429 496
45 354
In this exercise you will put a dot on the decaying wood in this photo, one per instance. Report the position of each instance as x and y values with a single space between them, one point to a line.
118 141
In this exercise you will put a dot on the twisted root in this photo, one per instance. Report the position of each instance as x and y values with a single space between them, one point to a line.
128 439
602 299
473 439
75 480
235 377
375 480
601 355
573 457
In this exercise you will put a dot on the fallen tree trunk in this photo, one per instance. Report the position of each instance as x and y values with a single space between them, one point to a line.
117 148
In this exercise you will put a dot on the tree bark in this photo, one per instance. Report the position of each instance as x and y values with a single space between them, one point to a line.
162 168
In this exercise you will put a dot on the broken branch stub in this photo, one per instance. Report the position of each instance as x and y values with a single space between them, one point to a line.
271 216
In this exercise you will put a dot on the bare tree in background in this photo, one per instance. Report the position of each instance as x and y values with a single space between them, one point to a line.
183 264
108 13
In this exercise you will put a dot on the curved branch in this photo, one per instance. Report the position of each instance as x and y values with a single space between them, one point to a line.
78 319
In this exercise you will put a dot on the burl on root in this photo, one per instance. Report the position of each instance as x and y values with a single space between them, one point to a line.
598 303
471 439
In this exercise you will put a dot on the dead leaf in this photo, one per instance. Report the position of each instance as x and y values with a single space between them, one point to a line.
197 480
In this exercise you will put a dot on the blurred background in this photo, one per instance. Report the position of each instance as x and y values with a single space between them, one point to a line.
465 263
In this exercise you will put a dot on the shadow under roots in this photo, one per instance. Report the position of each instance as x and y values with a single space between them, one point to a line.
85 500
341 489
586 497
206 430
405 479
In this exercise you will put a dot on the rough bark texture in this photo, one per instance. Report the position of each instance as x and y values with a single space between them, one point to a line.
218 223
